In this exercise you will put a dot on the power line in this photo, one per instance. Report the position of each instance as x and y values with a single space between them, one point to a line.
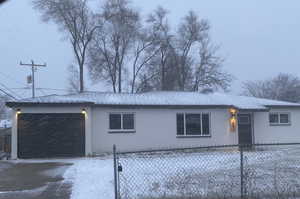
11 78
8 89
54 89
42 91
9 95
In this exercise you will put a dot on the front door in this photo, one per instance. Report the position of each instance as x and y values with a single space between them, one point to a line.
245 128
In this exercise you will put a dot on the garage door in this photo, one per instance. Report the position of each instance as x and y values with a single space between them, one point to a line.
51 135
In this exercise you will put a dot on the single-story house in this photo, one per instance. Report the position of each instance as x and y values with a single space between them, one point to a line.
91 122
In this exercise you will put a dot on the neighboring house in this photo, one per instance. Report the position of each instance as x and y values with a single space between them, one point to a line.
91 122
5 140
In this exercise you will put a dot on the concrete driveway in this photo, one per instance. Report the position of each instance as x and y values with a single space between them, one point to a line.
33 180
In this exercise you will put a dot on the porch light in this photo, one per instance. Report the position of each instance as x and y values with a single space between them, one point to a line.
83 111
18 112
233 119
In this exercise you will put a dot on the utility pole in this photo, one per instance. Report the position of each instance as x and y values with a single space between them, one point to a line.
33 70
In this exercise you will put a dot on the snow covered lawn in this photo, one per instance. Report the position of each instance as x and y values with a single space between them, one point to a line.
210 173
174 175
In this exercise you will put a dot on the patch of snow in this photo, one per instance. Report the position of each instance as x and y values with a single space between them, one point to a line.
91 178
5 123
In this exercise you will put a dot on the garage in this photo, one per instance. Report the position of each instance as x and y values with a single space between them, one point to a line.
51 135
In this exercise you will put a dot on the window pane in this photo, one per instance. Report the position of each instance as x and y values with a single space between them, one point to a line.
193 125
128 121
273 118
244 119
284 118
180 124
115 121
205 124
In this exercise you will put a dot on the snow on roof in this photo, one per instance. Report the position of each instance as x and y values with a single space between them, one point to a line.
161 98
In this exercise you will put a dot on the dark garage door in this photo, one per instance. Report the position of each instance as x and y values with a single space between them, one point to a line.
50 135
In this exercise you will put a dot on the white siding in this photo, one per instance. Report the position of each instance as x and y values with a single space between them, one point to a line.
156 128
265 133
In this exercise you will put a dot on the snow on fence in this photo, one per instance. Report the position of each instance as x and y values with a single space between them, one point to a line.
256 171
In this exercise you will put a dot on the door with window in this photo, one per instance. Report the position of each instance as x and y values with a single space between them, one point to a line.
245 128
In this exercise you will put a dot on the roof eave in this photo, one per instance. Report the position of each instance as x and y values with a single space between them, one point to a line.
254 109
28 104
163 106
283 106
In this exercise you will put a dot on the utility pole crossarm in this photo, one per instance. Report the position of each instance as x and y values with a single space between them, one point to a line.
33 70
42 65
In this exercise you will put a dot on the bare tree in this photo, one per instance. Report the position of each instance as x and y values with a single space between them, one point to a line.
146 47
208 71
285 87
187 60
158 68
111 46
75 18
189 35
144 85
73 79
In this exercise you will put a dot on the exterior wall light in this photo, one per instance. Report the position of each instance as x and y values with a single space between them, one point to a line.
18 112
233 119
83 111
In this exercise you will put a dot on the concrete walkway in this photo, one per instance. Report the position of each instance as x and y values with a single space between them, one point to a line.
33 181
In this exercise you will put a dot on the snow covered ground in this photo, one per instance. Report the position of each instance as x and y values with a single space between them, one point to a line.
91 178
182 174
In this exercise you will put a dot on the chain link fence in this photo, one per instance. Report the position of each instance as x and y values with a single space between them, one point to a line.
256 171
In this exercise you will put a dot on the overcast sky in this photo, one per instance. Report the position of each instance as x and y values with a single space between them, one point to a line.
259 39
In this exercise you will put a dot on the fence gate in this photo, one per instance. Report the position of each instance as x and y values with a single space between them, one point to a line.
235 171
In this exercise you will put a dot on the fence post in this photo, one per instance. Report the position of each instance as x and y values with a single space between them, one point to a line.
115 172
242 170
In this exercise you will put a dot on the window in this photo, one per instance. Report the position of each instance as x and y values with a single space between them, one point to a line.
191 124
115 121
121 122
128 121
180 124
279 118
284 118
274 118
244 119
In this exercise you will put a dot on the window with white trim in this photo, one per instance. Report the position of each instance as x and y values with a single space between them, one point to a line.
280 118
193 124
121 122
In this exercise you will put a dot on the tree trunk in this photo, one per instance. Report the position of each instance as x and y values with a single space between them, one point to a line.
120 79
81 89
